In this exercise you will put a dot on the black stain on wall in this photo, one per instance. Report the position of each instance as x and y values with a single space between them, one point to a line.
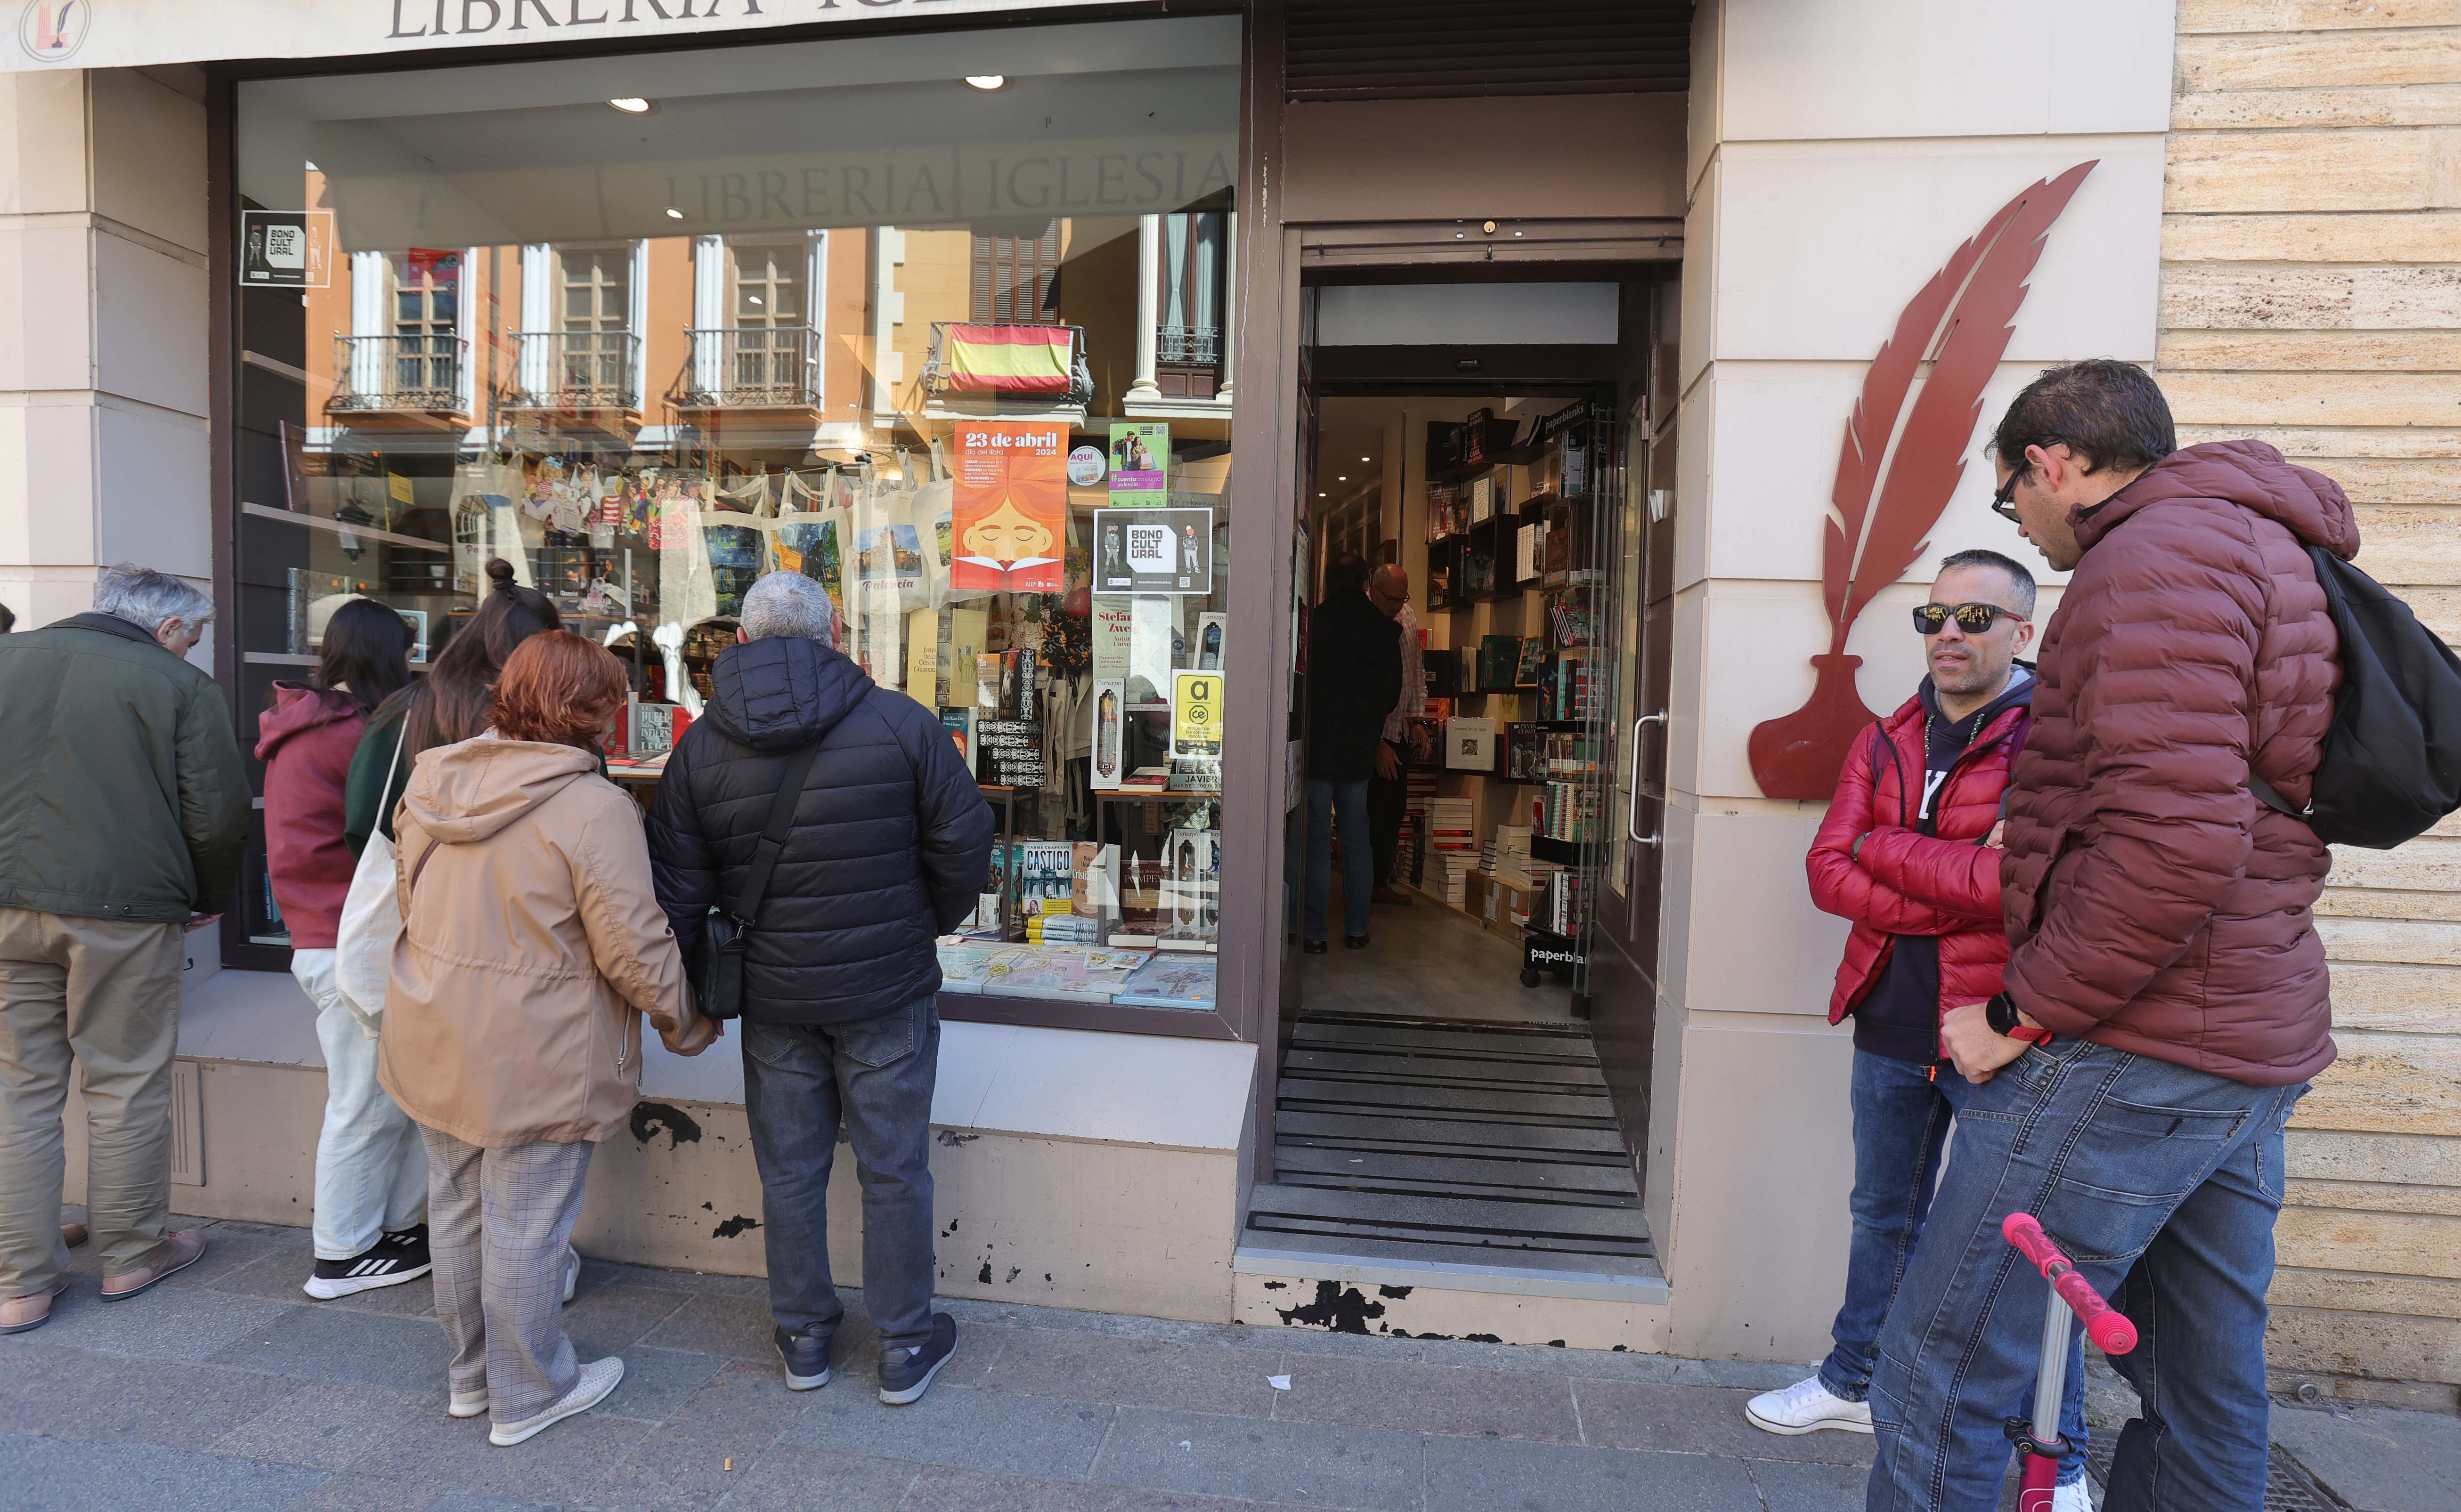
951 1139
1011 1279
984 1275
650 1119
1336 1309
1278 1285
733 1227
1395 1293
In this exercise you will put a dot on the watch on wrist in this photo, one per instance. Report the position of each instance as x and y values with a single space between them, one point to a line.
2001 1014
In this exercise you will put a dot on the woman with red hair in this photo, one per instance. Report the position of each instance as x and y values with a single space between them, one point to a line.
530 947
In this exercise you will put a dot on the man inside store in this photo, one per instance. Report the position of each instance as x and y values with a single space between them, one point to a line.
1388 792
128 813
886 847
1354 684
1906 854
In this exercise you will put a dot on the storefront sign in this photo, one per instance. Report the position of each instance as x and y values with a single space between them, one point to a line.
1011 506
130 33
1153 550
286 249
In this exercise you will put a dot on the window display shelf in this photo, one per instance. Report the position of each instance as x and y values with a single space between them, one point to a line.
343 527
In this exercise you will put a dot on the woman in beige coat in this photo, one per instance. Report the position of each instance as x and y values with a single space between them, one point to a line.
530 947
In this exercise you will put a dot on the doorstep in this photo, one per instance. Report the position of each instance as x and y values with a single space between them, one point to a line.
1399 1297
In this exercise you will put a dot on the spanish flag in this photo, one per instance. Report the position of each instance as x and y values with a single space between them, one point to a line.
1008 359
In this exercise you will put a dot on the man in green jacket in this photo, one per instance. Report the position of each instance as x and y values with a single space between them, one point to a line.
123 810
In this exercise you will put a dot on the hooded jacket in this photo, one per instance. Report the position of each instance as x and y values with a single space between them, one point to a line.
2153 903
1354 681
889 850
531 945
121 792
1943 885
306 741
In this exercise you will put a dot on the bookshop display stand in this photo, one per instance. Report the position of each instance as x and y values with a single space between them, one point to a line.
1515 519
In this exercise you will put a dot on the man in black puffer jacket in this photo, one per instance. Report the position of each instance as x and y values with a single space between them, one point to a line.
890 847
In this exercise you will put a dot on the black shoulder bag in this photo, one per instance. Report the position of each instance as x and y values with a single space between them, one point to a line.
719 980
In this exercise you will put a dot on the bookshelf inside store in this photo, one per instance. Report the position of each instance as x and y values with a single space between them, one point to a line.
1504 821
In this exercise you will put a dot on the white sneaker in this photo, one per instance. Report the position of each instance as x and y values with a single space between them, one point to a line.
469 1404
1807 1407
598 1378
2077 1497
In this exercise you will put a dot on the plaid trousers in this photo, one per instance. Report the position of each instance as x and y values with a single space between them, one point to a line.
498 1224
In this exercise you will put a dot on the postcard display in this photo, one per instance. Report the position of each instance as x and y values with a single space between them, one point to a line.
1506 823
1106 720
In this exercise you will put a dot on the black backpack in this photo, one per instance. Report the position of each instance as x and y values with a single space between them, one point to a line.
2392 759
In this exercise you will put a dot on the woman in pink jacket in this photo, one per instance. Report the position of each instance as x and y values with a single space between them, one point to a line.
371 1225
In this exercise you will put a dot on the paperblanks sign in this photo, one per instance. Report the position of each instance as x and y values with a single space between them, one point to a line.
1153 550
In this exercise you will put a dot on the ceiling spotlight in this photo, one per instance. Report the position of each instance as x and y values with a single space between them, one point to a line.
1362 459
673 214
1343 478
987 80
632 105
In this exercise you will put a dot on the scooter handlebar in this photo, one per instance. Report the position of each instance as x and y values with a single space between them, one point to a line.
2110 1332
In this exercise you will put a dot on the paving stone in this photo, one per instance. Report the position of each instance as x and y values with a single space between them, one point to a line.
790 1478
1296 1340
327 1427
279 1277
75 1394
339 1344
1757 1375
2377 1458
1107 1368
1431 1399
966 1491
1787 1487
425 1455
1466 1474
613 1318
159 1323
682 1462
1701 1420
737 1327
65 1475
230 1247
476 1501
952 1425
1316 1463
657 1382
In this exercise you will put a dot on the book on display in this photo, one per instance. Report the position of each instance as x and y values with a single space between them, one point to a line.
1068 972
1172 981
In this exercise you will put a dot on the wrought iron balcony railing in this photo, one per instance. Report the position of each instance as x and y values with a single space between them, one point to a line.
400 373
575 370
1192 345
736 366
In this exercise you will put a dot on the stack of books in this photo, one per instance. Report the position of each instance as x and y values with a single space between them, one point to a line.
1457 865
1508 857
1570 812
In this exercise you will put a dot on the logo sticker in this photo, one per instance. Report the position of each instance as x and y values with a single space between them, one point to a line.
50 31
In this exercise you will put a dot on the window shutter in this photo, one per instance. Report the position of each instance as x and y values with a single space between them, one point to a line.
1468 48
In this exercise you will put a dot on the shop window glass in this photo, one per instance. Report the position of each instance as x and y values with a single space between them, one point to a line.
826 310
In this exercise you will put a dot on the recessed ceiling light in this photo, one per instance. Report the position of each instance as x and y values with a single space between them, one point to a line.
673 214
987 80
1343 478
632 105
1362 459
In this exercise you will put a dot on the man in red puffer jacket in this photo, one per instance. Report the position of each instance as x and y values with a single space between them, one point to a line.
1904 854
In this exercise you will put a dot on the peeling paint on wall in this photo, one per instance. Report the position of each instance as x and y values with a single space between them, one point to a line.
733 1227
1337 1310
650 1119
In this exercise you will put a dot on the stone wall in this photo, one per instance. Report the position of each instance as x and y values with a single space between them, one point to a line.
2311 295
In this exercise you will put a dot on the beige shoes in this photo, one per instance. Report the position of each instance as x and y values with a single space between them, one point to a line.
179 1250
17 1314
72 1234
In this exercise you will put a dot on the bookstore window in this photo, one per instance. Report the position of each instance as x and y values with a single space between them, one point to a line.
648 363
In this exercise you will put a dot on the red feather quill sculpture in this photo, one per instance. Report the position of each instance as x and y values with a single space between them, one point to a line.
1902 463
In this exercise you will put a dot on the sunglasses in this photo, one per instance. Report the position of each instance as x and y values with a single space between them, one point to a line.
1972 618
2004 503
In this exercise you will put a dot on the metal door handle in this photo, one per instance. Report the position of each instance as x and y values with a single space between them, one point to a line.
1632 810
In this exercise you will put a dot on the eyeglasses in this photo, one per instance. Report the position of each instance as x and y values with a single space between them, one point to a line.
1972 618
2004 502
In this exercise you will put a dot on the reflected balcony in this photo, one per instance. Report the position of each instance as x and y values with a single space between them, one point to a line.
753 367
413 373
574 371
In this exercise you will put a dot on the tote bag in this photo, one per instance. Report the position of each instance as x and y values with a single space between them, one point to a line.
371 918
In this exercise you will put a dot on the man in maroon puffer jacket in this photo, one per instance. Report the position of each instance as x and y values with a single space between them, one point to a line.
2166 997
1904 854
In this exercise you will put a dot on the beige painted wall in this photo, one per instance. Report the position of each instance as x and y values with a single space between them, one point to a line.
1432 160
2311 296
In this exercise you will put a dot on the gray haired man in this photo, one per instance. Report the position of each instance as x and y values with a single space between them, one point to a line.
888 846
125 812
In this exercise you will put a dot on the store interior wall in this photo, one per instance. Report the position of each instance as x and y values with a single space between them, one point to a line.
1571 156
103 316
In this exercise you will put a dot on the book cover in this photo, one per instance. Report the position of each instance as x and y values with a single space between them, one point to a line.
1172 981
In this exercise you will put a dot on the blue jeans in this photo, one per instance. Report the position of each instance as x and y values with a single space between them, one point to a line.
876 1075
1901 1118
2162 1183
1346 797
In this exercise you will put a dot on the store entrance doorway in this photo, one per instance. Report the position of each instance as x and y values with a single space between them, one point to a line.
1443 1095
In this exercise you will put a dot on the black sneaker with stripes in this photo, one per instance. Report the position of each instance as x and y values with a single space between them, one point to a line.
392 1259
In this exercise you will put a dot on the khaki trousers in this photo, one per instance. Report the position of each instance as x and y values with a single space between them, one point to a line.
107 993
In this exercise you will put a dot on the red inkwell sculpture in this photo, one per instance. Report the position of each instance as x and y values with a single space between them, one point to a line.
1894 478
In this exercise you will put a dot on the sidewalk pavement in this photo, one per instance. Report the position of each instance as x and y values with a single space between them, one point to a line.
225 1387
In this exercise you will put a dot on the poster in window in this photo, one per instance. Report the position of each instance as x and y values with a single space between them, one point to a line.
1197 715
286 249
1011 506
1153 551
1140 464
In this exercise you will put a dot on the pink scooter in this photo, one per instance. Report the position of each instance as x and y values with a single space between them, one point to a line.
2110 1332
